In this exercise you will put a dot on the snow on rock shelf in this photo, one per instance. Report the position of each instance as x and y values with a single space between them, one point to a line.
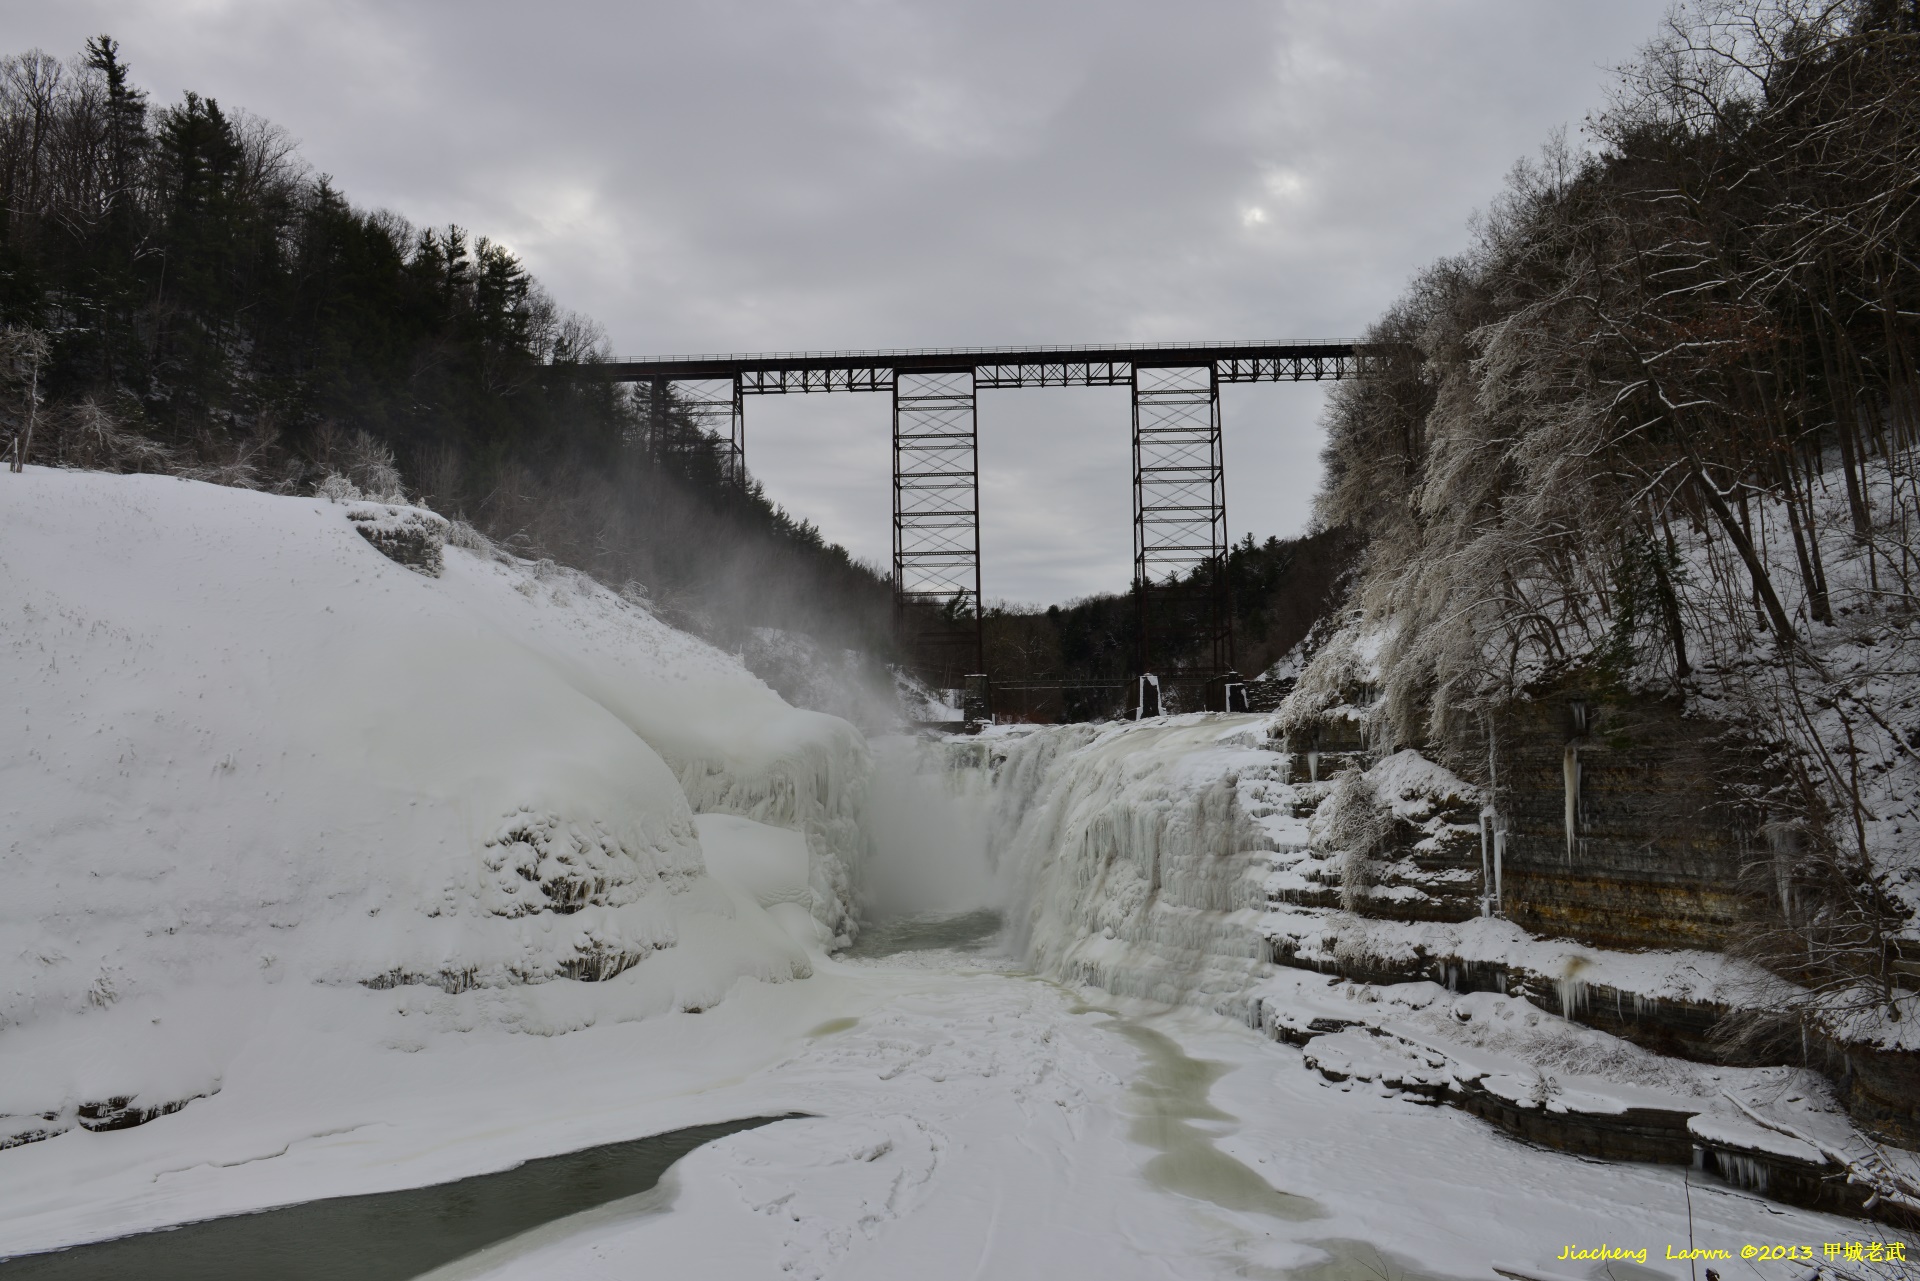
245 756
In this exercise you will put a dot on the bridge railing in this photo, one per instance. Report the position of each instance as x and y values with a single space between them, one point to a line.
1042 349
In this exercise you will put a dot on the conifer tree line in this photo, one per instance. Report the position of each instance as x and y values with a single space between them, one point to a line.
180 292
1660 427
1278 590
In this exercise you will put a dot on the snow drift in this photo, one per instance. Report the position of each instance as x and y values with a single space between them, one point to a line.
245 753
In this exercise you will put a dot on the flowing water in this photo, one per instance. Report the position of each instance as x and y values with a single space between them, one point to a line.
965 932
382 1236
1168 1098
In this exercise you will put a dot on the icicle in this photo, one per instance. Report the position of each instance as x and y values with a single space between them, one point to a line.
1486 856
1741 1171
1499 855
1782 843
1570 773
1571 987
1493 762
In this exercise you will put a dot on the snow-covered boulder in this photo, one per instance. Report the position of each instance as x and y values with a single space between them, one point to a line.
734 745
410 536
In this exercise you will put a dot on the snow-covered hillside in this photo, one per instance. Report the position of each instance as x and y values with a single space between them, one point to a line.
245 756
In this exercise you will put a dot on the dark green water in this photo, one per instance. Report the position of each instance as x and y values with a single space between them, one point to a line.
967 932
384 1236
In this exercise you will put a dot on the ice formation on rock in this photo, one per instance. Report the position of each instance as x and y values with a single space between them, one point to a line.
1134 853
1174 861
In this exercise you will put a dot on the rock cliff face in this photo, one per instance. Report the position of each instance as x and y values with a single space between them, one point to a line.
1211 860
1615 821
1627 823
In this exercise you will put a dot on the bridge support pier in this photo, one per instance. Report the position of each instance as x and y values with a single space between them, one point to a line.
716 410
936 525
657 402
736 456
1180 523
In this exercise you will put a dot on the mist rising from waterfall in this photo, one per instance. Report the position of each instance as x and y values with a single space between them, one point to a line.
927 818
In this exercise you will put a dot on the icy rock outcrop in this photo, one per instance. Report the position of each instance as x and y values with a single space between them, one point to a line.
542 863
497 924
1397 839
733 745
814 782
410 536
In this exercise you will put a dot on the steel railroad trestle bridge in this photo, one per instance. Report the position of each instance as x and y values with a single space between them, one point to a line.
1179 473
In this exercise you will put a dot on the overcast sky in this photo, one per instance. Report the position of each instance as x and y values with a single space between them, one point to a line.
785 174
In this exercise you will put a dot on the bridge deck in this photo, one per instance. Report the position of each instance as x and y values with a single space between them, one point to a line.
1111 365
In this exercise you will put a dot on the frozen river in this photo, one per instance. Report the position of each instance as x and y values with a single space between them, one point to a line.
963 1119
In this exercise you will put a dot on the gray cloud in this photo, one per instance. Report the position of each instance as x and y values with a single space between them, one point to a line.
736 176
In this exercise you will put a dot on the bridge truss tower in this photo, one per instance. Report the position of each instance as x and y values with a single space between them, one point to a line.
712 414
936 525
1180 514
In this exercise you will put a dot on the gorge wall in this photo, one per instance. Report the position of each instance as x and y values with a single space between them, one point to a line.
1211 860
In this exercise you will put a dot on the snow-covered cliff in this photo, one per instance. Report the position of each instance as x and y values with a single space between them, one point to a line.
245 756
1184 861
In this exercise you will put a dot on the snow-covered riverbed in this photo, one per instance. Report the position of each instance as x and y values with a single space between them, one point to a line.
967 1121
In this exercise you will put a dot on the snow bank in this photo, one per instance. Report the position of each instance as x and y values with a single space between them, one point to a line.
735 746
244 753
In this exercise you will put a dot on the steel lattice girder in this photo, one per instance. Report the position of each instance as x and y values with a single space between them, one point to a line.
1113 364
936 522
783 373
1061 373
1180 509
